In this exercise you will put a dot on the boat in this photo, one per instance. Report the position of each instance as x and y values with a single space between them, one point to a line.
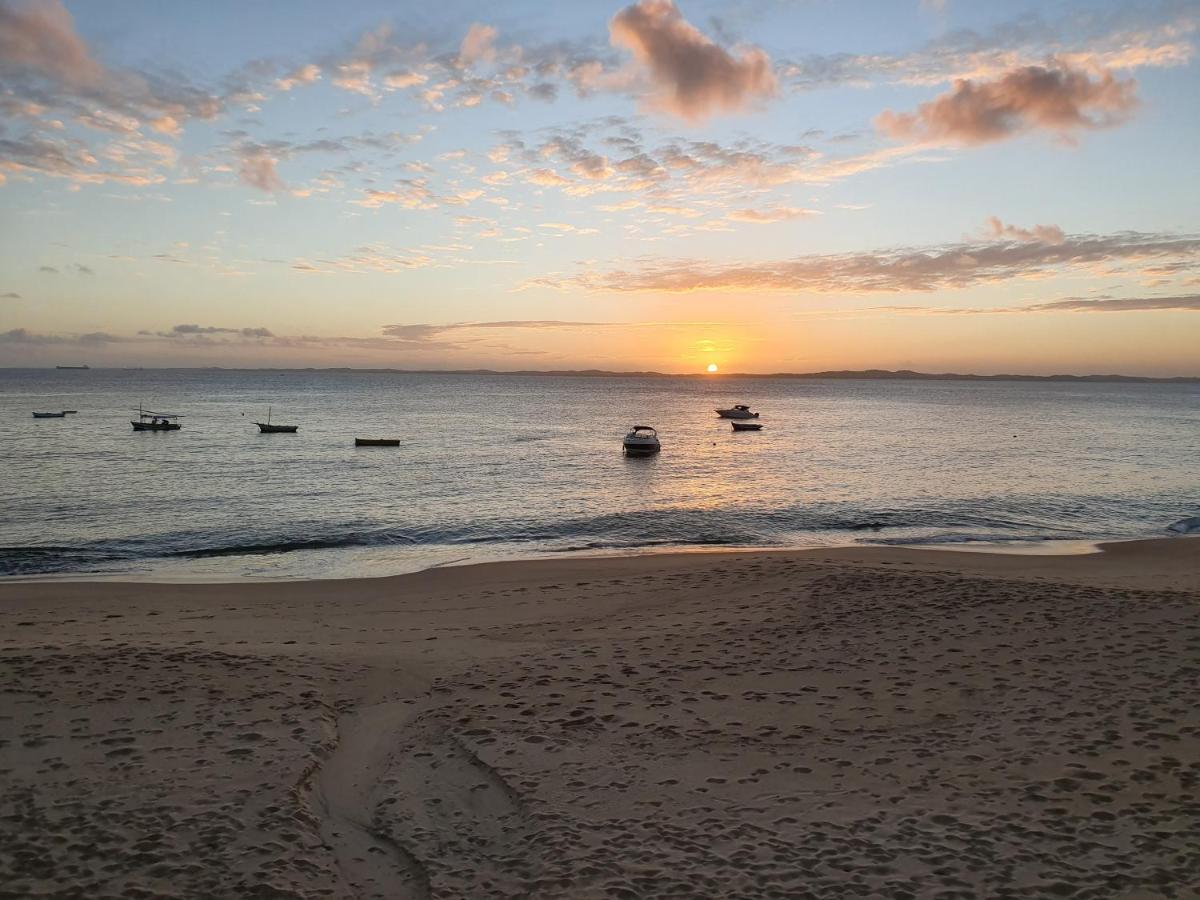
153 421
73 367
642 440
1190 525
376 442
57 415
267 428
746 426
737 411
70 412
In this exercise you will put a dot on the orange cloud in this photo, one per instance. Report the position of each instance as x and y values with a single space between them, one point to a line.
478 44
768 216
1058 99
304 75
693 77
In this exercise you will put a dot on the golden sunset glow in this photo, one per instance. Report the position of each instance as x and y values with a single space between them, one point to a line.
712 368
622 186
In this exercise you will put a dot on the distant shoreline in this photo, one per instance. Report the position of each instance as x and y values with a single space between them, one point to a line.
838 374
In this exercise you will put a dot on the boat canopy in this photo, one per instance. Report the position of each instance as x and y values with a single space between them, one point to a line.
147 414
642 428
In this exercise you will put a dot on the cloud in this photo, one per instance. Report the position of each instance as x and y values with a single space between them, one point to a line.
44 60
400 80
1058 99
410 194
188 330
692 76
11 295
41 36
906 269
303 75
1189 303
72 160
429 335
773 214
26 337
546 178
478 44
257 169
1049 234
1090 41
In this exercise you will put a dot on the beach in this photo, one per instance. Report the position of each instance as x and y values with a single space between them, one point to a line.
854 722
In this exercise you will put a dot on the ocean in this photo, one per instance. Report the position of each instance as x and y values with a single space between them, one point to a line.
505 466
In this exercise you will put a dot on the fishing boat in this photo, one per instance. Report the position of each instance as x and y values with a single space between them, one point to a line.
267 428
376 442
57 415
153 421
80 368
737 411
746 426
642 440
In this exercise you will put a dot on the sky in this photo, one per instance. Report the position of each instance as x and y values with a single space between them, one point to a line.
760 185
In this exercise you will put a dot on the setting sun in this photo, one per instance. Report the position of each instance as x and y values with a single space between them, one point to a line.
712 367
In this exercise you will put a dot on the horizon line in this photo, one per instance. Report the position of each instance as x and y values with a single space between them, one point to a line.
845 374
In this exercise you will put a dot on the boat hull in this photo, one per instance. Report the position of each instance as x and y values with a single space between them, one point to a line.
736 414
376 442
146 426
642 449
58 415
276 429
746 426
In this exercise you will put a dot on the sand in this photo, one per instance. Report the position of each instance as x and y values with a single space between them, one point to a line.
838 723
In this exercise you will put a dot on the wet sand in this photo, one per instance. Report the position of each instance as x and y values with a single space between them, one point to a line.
861 722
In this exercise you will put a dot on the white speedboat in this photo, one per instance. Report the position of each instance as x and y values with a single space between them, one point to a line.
642 440
738 411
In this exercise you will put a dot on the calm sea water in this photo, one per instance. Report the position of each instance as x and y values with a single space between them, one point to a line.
503 466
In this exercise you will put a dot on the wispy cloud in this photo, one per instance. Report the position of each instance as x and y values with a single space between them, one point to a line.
1188 303
30 338
771 214
907 269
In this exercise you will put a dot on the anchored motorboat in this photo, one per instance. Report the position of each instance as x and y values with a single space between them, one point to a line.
737 411
49 415
746 426
642 440
377 442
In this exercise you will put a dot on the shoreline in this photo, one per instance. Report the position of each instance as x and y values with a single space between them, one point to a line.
832 722
1064 547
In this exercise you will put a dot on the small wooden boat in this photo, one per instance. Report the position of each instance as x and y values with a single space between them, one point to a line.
376 442
70 412
57 415
746 426
267 428
152 421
